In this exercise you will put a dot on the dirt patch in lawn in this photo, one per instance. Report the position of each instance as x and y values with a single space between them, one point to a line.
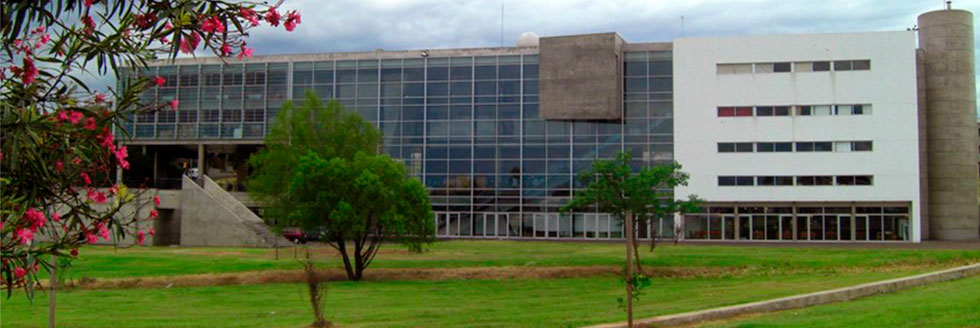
386 274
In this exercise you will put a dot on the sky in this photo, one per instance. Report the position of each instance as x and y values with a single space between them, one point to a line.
367 25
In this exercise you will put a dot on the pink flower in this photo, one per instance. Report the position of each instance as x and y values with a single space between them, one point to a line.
35 218
56 217
86 178
29 73
24 236
156 200
173 105
92 239
103 231
90 124
189 43
74 252
96 196
272 16
292 19
77 160
58 166
159 81
213 25
99 98
140 237
114 189
153 215
107 140
75 117
245 52
19 272
44 40
225 49
121 154
88 3
153 232
89 23
62 116
249 15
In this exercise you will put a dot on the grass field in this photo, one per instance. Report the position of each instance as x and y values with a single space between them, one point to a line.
948 304
740 274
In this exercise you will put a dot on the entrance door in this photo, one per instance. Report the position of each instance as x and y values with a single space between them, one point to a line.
728 227
442 224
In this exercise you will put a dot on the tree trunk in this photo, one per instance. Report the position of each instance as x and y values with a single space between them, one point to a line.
343 254
629 269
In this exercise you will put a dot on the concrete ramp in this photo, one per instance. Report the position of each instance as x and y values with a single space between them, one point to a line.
210 216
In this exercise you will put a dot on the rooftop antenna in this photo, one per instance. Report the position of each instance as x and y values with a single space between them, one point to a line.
682 25
501 24
949 4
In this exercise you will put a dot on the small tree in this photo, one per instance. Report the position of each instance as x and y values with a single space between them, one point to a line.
328 130
359 203
616 189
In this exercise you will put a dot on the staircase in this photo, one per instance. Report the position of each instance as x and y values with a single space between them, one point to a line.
210 216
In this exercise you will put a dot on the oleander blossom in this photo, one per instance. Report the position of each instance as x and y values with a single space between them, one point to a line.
272 16
153 215
96 196
245 52
159 81
173 105
225 49
23 236
29 72
292 19
189 43
35 218
213 25
19 272
156 200
121 155
90 124
249 15
74 117
140 237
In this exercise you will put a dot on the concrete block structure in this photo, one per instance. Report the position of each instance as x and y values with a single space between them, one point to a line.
843 137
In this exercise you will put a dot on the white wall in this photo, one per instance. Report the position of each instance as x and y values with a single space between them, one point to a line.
890 86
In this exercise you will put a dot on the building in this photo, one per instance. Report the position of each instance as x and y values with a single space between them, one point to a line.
827 137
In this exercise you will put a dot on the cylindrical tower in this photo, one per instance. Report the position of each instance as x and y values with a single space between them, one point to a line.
946 40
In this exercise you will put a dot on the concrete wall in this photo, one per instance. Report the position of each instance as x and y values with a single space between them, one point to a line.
946 40
581 77
889 86
205 222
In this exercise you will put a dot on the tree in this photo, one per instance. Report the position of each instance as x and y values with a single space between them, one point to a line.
359 203
327 130
58 149
615 187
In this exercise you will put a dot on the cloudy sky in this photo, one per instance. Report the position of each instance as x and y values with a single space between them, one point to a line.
366 25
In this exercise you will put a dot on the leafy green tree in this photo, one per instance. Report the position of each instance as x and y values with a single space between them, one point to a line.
328 130
321 171
628 194
359 203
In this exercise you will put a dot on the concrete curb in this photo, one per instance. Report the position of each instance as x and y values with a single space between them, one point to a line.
805 300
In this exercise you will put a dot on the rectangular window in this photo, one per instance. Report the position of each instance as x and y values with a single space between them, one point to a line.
725 69
803 67
726 181
781 67
763 111
861 146
821 66
780 111
823 146
726 147
842 65
804 110
823 110
745 181
825 180
783 147
743 111
805 180
743 147
743 68
765 147
804 146
861 65
842 146
726 111
766 181
784 181
763 68
845 180
863 180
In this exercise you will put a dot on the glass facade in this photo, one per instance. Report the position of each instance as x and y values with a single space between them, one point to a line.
468 127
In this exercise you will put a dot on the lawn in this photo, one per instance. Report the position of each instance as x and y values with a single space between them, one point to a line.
948 304
108 262
736 274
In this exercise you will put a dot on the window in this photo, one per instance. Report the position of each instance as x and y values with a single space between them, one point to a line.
823 146
763 111
842 146
743 147
780 111
861 146
804 146
763 68
766 181
726 147
821 66
784 180
769 147
861 65
805 180
804 110
783 147
845 180
726 181
842 65
822 110
781 67
803 67
863 180
726 111
743 111
734 68
736 181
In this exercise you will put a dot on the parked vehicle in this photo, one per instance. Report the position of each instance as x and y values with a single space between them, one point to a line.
299 236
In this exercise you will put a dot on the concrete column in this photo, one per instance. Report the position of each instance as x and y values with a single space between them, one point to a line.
946 40
200 161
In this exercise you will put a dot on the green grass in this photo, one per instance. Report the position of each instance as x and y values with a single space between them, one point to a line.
107 262
467 303
757 273
948 304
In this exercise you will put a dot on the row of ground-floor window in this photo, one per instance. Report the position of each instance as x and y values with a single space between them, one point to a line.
858 222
